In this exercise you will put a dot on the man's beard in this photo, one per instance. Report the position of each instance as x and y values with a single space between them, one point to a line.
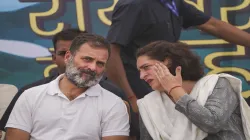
75 75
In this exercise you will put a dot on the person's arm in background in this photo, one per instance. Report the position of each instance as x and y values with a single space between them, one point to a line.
117 74
194 17
226 31
125 27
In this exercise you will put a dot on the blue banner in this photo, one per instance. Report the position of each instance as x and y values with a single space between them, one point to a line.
27 26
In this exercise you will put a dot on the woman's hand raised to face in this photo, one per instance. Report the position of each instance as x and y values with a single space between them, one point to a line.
167 80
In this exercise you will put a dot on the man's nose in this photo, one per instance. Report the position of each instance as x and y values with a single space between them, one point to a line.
92 66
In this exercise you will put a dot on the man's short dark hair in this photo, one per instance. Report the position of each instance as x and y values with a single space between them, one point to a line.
178 54
66 35
93 39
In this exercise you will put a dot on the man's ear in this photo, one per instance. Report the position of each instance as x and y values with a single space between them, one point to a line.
53 57
67 56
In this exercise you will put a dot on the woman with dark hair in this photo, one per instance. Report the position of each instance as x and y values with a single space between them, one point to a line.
186 105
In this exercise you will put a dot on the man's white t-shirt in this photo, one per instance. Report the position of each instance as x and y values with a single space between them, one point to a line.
47 114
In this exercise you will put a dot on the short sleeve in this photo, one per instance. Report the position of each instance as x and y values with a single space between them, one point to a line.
192 16
125 24
20 117
116 121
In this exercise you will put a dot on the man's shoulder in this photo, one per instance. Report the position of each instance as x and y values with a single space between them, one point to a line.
36 89
108 85
111 103
108 98
108 94
33 94
38 83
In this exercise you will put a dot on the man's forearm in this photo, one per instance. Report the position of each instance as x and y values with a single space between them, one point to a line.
226 31
16 134
116 72
116 138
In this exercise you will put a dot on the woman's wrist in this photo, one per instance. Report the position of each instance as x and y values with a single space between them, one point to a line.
172 88
177 93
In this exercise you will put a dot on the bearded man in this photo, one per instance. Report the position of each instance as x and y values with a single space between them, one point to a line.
73 106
